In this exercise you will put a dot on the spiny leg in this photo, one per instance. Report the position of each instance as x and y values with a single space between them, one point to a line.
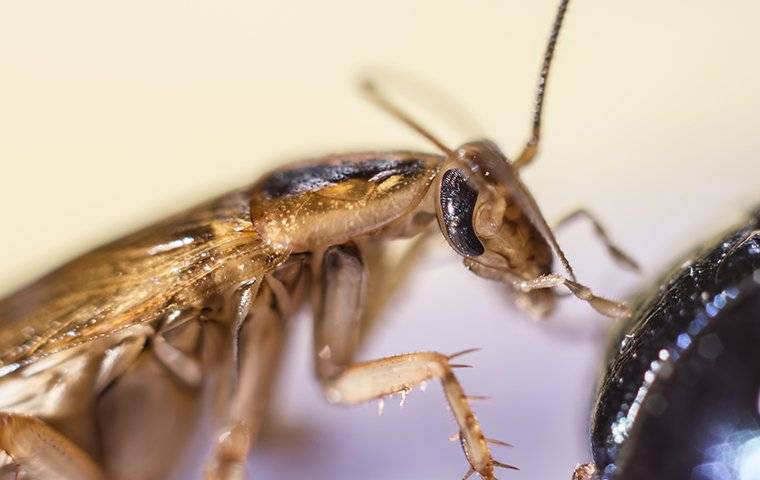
617 254
42 452
345 382
365 381
244 393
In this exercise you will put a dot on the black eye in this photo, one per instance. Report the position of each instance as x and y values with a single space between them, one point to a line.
680 398
457 206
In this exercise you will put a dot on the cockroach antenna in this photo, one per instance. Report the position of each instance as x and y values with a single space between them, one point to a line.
531 147
369 88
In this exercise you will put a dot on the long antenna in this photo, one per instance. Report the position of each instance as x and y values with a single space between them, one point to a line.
379 99
531 147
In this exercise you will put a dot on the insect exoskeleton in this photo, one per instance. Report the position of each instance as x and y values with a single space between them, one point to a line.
679 394
200 302
332 200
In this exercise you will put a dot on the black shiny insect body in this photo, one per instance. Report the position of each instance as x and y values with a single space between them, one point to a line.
680 397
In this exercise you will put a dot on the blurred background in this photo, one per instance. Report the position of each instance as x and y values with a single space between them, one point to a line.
112 114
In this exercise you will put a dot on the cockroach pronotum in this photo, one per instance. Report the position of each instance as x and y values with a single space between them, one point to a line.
199 302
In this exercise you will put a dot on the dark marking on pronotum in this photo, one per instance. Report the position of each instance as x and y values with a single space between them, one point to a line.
457 206
314 177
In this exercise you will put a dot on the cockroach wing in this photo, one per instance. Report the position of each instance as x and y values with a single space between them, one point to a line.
173 265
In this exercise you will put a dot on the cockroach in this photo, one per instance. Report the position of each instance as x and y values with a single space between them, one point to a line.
679 394
116 345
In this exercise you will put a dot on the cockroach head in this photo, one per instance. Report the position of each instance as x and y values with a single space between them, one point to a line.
471 199
474 185
477 214
485 164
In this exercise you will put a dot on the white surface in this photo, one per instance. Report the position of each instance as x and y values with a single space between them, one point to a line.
115 113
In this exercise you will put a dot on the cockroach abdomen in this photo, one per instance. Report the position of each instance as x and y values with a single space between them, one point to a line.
680 397
458 200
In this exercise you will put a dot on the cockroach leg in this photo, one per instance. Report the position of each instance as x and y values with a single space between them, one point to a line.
602 305
165 379
337 327
386 277
617 253
243 397
341 299
185 366
61 390
470 472
8 469
42 452
241 305
365 381
586 471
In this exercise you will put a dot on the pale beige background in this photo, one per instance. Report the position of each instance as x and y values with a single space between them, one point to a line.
113 113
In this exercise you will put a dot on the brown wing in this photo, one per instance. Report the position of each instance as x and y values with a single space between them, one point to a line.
174 264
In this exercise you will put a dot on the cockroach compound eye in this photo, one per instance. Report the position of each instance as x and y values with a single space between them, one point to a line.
680 397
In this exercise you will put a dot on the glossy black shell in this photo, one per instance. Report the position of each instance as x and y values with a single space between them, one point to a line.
680 395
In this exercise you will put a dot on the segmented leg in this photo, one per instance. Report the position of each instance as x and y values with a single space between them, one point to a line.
244 393
242 404
42 452
156 400
58 394
614 251
586 471
345 382
365 381
385 277
341 298
602 305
